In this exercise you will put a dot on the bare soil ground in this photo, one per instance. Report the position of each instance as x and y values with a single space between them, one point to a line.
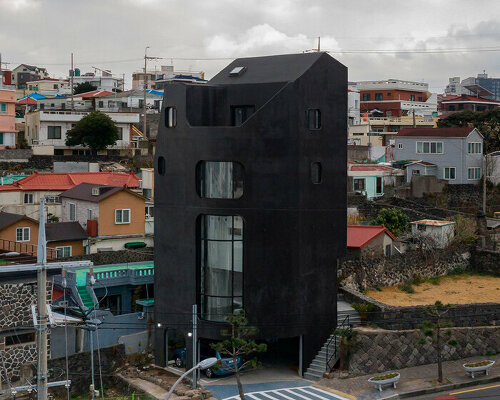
459 289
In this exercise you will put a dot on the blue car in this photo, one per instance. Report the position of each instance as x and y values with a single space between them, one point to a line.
225 366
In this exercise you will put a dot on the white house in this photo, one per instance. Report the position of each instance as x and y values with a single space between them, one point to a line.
442 232
49 128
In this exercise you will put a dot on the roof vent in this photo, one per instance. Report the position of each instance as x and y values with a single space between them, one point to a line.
237 71
95 191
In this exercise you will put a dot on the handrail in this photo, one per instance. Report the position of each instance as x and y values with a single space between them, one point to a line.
343 325
8 245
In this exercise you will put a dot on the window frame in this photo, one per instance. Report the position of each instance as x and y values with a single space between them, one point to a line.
63 248
3 108
474 169
70 206
474 148
30 195
53 132
400 146
454 173
428 144
354 180
237 179
121 211
170 117
316 113
23 230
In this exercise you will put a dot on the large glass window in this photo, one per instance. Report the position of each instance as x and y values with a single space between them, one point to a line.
239 114
219 179
221 265
54 132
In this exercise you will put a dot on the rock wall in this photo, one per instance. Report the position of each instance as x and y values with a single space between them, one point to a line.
382 350
116 257
486 262
368 273
16 319
80 368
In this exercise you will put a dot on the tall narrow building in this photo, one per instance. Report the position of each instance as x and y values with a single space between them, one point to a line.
250 202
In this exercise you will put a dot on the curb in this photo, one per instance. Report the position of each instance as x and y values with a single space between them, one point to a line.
334 391
443 388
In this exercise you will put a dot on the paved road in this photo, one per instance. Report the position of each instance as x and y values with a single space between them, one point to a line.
486 392
292 393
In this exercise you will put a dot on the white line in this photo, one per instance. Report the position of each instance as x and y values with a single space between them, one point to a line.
252 396
269 396
277 391
317 395
298 394
336 396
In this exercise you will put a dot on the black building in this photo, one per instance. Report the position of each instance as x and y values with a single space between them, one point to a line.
250 200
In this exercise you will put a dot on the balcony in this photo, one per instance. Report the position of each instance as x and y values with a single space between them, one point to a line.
128 274
402 121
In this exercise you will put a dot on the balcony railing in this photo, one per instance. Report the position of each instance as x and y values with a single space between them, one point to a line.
125 276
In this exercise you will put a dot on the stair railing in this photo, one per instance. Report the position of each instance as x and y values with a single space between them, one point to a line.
331 359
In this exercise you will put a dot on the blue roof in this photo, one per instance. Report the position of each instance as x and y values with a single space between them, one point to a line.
157 92
34 96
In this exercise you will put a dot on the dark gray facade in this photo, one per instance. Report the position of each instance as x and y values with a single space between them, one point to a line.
292 204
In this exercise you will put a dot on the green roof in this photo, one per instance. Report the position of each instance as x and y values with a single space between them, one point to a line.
10 179
81 273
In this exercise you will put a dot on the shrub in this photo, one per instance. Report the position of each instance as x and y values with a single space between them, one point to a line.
417 279
465 230
435 280
406 287
363 308
393 219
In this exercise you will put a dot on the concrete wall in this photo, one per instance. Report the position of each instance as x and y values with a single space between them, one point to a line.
43 150
135 342
426 184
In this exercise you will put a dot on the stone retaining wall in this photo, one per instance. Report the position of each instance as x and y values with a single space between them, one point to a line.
116 257
392 317
486 262
383 350
369 273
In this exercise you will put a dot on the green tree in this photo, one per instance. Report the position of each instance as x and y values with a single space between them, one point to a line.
393 219
84 87
433 332
239 344
348 343
96 130
486 122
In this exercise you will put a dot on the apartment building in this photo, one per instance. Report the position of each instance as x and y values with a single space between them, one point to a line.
7 116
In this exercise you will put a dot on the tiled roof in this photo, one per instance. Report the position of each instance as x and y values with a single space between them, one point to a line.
7 219
66 180
65 231
359 235
436 132
83 191
469 98
361 167
94 93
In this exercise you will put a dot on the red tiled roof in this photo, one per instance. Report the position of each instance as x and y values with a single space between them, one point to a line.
436 132
361 167
468 98
94 93
27 100
359 235
64 181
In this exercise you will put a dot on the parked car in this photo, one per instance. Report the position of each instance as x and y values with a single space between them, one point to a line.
223 367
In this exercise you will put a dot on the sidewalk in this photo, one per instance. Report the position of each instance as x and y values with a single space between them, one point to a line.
412 379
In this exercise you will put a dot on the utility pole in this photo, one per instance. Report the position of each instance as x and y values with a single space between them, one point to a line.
319 44
195 345
485 174
43 374
71 75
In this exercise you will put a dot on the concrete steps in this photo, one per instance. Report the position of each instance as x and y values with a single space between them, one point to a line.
318 365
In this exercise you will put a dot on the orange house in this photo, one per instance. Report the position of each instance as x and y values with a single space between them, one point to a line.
19 233
113 216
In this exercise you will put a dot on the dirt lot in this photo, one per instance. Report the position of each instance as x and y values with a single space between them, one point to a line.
460 289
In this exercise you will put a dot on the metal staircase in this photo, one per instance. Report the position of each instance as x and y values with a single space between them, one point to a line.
328 355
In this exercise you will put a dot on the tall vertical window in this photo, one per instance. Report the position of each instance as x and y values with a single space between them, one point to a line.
28 198
239 114
379 96
161 165
316 172
72 211
221 265
219 179
170 117
3 108
450 173
474 148
313 117
379 185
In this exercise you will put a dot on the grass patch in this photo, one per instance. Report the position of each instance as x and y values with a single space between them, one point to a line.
406 287
434 280
478 364
418 280
384 377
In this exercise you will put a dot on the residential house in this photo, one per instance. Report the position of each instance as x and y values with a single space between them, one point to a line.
23 196
466 102
114 216
25 73
126 297
353 110
49 129
105 81
7 116
130 100
80 102
440 232
148 189
396 98
19 234
157 79
369 241
244 179
472 84
457 153
370 179
49 87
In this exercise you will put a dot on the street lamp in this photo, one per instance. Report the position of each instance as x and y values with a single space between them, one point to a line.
204 364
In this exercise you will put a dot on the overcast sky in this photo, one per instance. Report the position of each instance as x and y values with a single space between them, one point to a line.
112 34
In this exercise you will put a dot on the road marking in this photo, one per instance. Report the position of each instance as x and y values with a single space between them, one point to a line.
474 390
301 392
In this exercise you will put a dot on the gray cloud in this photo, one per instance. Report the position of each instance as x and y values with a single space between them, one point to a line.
113 33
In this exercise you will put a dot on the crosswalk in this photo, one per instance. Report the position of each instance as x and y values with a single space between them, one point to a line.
292 393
